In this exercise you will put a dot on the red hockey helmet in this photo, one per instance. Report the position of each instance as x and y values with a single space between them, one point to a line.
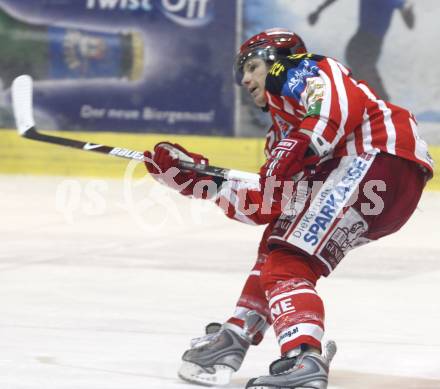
268 45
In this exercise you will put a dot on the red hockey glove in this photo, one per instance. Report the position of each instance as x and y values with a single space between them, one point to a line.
164 167
288 157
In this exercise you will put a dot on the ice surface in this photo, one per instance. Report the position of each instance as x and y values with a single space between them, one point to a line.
104 283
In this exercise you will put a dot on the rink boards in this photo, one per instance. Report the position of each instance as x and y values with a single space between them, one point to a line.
22 156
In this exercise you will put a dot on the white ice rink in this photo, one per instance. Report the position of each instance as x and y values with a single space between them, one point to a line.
103 284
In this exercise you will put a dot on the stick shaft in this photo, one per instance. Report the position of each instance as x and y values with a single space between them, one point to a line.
23 112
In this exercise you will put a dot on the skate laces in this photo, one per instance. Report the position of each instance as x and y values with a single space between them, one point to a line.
204 340
253 323
212 333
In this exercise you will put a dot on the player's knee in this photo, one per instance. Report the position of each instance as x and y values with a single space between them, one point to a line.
282 265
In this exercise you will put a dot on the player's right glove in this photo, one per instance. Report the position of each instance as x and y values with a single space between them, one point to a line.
163 165
288 157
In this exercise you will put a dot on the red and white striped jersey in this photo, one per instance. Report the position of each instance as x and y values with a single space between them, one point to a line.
318 96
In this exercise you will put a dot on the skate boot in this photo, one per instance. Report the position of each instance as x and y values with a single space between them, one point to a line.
213 358
308 370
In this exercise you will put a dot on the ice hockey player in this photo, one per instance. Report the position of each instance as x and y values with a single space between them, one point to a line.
363 166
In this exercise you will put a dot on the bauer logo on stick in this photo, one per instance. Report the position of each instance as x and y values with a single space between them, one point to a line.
121 152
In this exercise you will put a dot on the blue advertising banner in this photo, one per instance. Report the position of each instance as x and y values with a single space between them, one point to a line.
123 65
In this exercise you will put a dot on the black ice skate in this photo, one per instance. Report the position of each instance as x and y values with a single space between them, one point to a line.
308 370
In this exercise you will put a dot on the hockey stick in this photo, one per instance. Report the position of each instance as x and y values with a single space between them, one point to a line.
23 111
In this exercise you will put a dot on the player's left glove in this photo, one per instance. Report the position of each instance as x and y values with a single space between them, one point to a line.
163 165
289 156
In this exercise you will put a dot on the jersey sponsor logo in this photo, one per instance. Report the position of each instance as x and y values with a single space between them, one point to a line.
347 236
315 89
311 215
297 77
276 69
314 92
121 152
335 202
328 203
288 334
281 307
314 109
284 126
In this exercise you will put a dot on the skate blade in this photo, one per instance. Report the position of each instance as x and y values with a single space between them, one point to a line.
197 375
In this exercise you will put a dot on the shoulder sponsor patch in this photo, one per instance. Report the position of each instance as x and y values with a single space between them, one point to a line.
314 109
314 94
297 77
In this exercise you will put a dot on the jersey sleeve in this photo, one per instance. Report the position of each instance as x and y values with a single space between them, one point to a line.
243 201
314 86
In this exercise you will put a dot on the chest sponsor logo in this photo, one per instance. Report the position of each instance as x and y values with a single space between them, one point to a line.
284 126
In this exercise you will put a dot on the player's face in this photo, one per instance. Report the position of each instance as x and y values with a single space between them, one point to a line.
254 78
